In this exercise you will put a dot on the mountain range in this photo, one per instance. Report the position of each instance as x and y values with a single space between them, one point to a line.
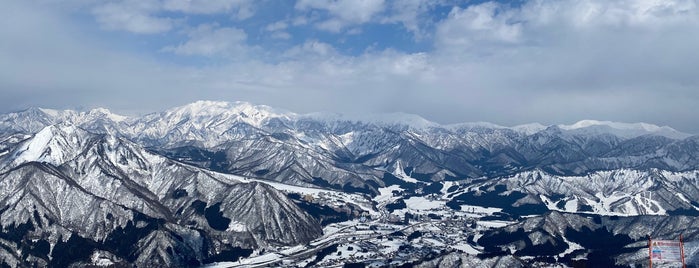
192 184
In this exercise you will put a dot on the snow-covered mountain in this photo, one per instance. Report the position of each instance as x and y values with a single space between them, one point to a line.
182 187
620 192
597 241
65 189
625 130
345 153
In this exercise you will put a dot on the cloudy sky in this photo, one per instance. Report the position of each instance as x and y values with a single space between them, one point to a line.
506 62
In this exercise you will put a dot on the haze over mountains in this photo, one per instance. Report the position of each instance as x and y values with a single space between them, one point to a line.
214 181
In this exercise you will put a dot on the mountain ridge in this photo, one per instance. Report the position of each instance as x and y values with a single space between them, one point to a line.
256 113
216 181
241 138
101 186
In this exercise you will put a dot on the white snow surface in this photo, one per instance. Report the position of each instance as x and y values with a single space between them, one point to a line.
622 192
50 145
466 248
387 119
625 130
422 203
398 172
209 122
386 194
235 226
529 129
479 210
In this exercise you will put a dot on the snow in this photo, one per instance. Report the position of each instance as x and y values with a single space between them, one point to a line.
529 129
411 120
390 246
616 125
422 203
33 150
625 130
649 206
53 144
98 260
447 185
603 207
202 117
235 226
220 265
326 195
401 174
472 125
572 246
345 253
683 198
466 248
571 205
259 260
386 119
287 187
636 205
50 112
479 210
112 116
494 224
386 194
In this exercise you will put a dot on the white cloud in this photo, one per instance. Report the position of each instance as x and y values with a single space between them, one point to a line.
281 35
132 16
299 21
277 29
242 7
563 59
210 40
552 61
147 16
343 13
563 25
46 61
311 49
332 25
277 26
412 14
487 24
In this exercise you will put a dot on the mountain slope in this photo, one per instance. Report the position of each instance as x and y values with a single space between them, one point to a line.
134 204
186 186
601 241
345 153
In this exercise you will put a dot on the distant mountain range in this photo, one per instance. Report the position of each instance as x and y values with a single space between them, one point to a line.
306 149
171 188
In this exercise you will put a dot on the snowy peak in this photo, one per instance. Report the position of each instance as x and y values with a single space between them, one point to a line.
204 122
529 129
105 113
49 112
245 111
192 121
475 125
624 130
617 125
28 121
53 144
411 120
382 120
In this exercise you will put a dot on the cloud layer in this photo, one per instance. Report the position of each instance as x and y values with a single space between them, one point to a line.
548 61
